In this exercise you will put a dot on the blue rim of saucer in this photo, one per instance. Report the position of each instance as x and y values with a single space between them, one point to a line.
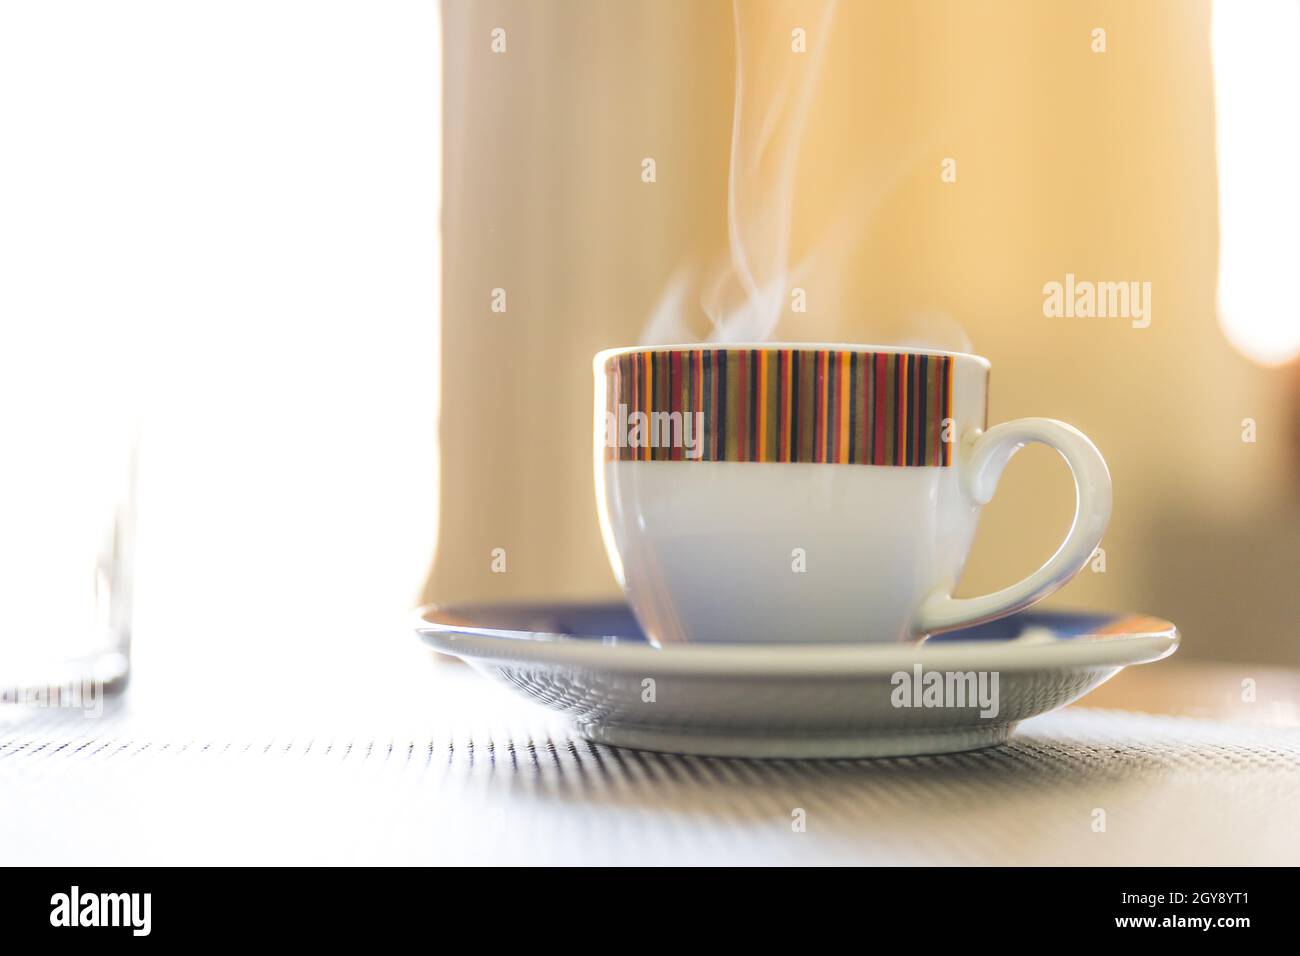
613 622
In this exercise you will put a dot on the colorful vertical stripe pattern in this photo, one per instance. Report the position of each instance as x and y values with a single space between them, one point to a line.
788 405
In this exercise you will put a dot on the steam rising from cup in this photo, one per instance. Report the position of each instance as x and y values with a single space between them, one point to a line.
744 291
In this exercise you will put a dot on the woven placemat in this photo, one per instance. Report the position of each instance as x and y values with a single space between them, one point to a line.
480 778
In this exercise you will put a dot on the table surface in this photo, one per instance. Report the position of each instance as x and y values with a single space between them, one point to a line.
1170 763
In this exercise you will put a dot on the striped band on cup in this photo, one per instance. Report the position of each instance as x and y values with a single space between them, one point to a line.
779 405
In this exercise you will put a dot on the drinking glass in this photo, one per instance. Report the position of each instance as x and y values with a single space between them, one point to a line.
67 515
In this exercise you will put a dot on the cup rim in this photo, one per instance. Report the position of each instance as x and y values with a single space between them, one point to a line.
605 354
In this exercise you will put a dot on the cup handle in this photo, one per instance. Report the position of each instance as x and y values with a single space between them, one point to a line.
981 462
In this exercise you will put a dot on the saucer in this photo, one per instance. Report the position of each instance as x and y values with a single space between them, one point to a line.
962 690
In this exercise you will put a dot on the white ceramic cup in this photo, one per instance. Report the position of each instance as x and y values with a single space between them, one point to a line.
813 493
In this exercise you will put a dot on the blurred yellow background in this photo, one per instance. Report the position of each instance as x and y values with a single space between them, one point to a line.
1068 161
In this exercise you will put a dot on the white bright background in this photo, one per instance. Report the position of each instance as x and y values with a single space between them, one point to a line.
245 196
1256 48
